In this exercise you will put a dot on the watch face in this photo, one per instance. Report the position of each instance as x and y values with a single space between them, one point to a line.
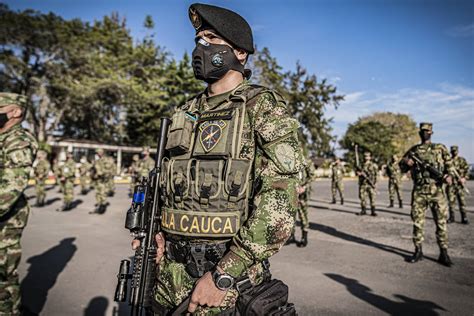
225 282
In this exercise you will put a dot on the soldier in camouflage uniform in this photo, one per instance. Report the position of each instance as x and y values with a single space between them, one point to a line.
429 190
146 164
100 178
456 189
394 181
67 175
337 175
17 152
84 174
307 176
110 168
367 182
41 170
133 171
56 166
229 184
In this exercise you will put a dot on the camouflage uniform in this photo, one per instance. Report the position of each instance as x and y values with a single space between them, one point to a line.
365 189
99 176
133 171
41 170
17 153
84 173
67 174
262 165
110 168
394 181
428 193
337 175
146 165
456 189
56 170
307 176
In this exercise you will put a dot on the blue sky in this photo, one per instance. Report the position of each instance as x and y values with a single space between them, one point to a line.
407 56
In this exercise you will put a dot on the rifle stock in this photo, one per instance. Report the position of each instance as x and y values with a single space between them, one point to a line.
143 221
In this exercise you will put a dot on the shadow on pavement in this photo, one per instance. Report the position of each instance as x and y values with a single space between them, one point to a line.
123 309
74 204
336 233
43 272
51 201
97 306
406 306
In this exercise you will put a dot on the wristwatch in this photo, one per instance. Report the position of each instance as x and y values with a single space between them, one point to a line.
223 281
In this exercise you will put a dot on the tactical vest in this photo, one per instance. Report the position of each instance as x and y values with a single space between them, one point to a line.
433 155
205 185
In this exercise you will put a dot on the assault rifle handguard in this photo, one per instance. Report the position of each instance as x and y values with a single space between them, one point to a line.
143 221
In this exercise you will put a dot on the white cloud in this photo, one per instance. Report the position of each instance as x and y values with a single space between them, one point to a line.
450 108
461 30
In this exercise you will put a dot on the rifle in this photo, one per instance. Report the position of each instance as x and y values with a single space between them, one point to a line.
434 173
359 169
458 179
143 221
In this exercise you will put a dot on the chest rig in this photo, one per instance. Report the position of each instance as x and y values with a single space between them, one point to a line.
206 185
433 155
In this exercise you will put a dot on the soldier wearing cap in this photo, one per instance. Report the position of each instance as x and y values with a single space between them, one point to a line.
337 175
41 169
367 182
17 152
428 190
394 181
231 177
133 171
100 178
456 191
67 175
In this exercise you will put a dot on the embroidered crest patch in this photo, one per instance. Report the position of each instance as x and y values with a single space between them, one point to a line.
211 134
285 155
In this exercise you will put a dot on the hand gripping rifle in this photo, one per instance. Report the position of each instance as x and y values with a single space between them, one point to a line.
458 179
359 169
143 221
425 166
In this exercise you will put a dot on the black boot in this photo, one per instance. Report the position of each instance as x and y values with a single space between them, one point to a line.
451 216
362 211
391 203
417 256
444 258
333 201
63 208
291 240
400 204
304 239
464 219
342 201
372 211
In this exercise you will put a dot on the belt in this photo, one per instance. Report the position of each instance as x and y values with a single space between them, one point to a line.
198 258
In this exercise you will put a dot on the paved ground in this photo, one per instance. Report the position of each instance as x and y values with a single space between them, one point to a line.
352 266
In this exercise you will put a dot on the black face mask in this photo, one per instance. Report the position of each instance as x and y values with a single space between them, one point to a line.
3 119
212 61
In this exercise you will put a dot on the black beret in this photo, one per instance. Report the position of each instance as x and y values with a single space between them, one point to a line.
231 26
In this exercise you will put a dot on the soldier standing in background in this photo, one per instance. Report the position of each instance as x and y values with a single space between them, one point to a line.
67 174
41 170
367 184
17 152
56 172
337 175
394 181
429 190
99 176
456 189
133 171
110 168
84 173
146 164
307 176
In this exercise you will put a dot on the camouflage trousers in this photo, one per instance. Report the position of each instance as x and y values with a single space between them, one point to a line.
366 191
394 187
303 211
100 191
40 190
337 186
10 255
110 185
456 192
436 201
68 187
84 180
